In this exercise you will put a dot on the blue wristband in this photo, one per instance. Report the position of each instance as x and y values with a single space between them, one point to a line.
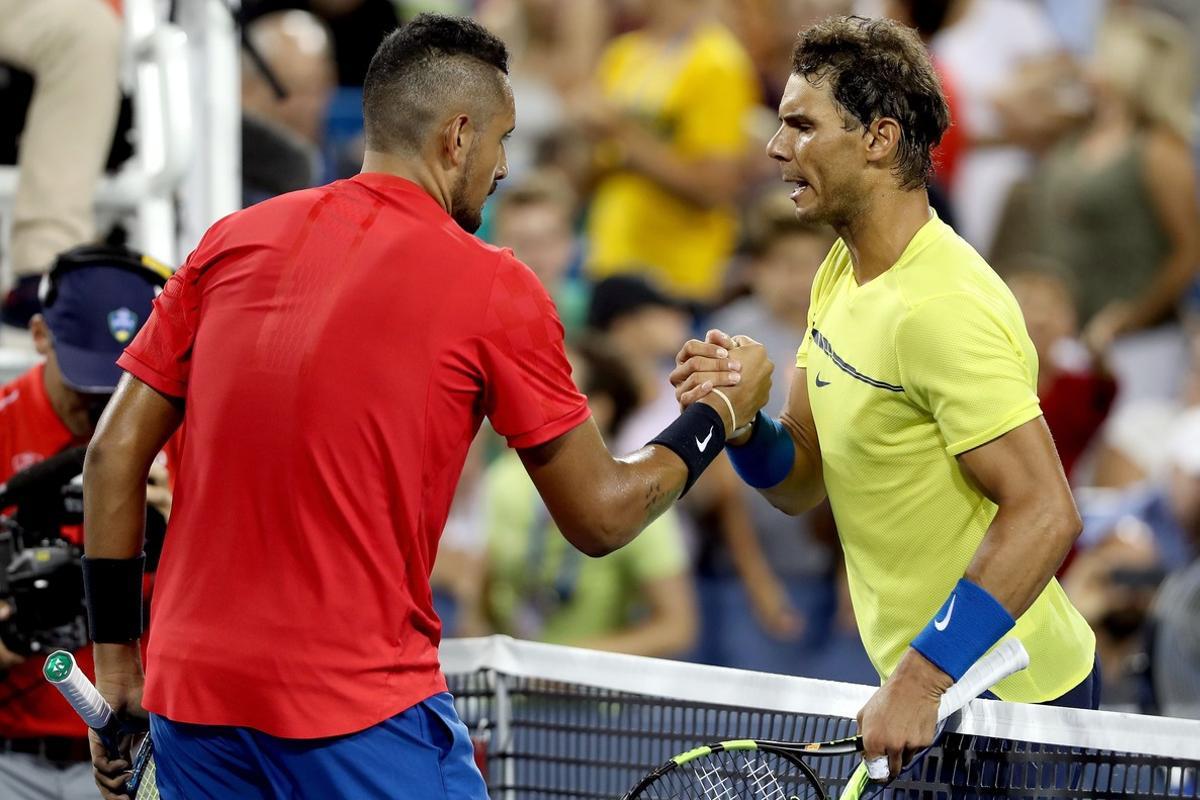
767 456
969 623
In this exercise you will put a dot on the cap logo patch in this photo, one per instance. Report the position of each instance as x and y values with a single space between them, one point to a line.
122 324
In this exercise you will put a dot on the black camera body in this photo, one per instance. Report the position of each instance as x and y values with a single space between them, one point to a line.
41 573
43 584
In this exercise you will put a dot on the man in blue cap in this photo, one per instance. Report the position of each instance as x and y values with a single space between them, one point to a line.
94 301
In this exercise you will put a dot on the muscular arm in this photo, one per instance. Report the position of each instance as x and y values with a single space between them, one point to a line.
1033 528
135 427
599 502
1036 523
804 487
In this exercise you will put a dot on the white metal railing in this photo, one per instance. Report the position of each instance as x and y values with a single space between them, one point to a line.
184 84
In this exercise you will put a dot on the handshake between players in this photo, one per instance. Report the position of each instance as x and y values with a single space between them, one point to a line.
730 367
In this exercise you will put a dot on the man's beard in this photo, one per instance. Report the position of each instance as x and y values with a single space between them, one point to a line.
841 206
469 218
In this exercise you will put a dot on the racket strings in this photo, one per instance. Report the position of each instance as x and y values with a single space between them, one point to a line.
752 775
145 773
764 780
715 783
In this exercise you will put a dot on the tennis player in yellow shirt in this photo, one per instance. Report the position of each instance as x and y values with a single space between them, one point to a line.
913 406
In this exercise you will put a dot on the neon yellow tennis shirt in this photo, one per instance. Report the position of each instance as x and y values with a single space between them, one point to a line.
927 361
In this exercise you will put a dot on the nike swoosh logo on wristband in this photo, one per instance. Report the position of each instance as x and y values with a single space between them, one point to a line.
701 445
944 622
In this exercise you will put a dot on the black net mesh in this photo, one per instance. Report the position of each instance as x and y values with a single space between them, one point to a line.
573 741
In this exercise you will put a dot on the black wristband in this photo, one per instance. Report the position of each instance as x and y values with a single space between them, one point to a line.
112 589
697 437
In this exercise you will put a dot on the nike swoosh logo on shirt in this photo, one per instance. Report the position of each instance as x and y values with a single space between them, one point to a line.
701 445
944 622
820 382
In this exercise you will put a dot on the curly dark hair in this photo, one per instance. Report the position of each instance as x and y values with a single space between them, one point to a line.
879 68
419 69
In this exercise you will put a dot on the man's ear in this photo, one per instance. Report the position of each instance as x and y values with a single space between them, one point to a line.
883 140
456 140
43 342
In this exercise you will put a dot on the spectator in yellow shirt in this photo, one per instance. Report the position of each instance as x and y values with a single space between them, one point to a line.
671 117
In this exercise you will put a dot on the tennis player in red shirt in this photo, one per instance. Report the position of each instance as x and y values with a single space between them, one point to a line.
333 352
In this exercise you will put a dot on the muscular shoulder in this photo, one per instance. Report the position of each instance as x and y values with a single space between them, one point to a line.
520 312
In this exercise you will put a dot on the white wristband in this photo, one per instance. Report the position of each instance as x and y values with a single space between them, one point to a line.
729 405
736 431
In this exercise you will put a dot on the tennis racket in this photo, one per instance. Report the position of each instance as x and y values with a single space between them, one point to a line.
62 671
754 769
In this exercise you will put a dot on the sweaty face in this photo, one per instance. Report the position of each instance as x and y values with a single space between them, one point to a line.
486 165
823 161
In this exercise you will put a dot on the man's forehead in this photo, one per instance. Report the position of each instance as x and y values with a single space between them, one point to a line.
510 103
802 97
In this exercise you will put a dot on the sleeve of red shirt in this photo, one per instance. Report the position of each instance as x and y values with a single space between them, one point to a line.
160 356
528 392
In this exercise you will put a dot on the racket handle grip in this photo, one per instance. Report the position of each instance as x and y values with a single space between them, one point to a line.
1005 659
62 671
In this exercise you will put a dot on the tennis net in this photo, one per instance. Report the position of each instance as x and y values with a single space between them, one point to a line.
559 722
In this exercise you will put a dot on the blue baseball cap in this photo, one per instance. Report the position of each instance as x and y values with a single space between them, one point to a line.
95 301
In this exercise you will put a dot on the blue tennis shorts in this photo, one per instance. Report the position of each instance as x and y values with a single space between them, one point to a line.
423 753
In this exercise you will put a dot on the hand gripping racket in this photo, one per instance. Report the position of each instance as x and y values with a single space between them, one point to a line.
756 769
62 671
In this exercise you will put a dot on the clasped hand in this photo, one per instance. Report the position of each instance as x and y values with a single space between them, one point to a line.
737 365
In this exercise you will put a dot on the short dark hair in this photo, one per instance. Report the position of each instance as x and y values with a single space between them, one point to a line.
421 66
879 68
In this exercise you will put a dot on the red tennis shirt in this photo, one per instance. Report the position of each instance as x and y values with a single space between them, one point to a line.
338 349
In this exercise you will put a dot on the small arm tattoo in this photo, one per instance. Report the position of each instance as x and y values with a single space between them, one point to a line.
657 500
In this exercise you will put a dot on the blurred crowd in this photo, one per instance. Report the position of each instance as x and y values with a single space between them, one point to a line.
640 194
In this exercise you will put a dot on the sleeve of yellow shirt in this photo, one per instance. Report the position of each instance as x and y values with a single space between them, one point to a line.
969 368
719 91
